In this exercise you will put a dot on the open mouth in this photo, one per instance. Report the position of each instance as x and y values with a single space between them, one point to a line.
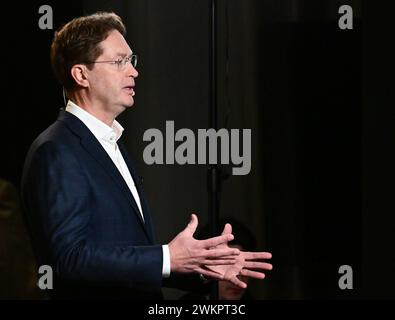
130 90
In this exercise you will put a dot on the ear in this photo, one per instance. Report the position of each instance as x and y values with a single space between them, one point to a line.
79 74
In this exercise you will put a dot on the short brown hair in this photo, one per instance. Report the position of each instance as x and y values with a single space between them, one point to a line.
78 42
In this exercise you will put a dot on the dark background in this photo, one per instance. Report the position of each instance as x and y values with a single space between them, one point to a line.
319 101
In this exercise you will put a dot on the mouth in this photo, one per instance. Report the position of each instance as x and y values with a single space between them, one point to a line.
130 90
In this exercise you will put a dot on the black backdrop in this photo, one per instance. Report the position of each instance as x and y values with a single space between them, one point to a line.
319 103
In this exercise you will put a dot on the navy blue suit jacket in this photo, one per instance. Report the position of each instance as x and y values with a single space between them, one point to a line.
83 219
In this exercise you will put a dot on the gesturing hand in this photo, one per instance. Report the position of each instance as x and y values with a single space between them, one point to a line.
188 255
245 264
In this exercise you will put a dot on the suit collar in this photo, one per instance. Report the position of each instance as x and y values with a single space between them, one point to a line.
99 129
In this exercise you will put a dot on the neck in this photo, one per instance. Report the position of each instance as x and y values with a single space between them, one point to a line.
94 108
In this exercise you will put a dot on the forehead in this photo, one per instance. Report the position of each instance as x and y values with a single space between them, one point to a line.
115 45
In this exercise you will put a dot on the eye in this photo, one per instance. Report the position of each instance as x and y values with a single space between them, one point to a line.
119 62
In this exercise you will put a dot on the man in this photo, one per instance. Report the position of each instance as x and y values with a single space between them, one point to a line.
85 206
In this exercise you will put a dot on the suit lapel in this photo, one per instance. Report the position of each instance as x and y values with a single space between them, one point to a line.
139 186
95 149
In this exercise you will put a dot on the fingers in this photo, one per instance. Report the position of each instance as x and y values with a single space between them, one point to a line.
213 242
227 229
192 225
258 265
252 274
221 253
237 282
218 262
210 274
257 255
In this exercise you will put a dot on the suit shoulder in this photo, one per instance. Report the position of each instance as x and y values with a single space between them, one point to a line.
57 138
57 133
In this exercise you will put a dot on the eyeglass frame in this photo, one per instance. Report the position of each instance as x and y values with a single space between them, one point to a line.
121 62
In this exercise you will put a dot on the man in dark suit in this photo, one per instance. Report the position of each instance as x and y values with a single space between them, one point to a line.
84 203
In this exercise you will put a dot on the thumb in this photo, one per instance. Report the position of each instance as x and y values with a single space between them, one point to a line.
227 229
193 223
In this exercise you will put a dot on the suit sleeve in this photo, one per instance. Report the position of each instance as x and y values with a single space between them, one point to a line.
187 282
57 194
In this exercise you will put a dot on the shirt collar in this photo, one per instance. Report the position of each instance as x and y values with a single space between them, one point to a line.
99 129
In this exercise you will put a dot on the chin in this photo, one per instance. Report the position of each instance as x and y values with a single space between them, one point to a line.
129 103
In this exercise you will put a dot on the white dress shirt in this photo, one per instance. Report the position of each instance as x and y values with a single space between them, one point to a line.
108 137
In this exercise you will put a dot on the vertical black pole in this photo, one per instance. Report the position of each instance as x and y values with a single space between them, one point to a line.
212 170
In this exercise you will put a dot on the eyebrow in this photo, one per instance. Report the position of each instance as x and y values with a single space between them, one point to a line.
123 54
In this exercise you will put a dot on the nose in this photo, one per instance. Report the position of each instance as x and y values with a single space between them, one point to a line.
132 71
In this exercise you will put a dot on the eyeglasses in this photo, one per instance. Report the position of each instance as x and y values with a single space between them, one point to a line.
121 62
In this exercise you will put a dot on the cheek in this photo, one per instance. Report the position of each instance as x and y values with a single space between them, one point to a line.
106 81
111 89
99 85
